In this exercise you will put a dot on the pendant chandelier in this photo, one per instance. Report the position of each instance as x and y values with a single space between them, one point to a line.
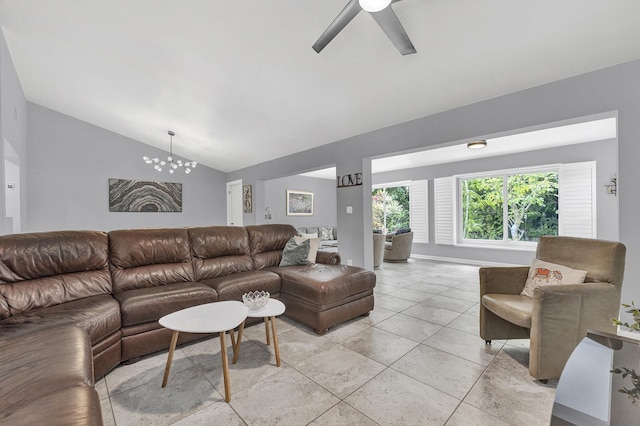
171 163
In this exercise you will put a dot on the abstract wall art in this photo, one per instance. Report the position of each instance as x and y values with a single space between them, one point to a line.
140 196
247 199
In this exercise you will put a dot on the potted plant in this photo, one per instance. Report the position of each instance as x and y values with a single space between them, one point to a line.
631 309
634 392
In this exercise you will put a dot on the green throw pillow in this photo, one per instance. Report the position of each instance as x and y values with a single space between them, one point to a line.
295 254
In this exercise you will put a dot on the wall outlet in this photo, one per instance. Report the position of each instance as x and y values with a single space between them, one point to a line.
349 209
349 262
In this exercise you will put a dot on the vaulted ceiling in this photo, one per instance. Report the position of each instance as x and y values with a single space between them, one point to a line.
240 84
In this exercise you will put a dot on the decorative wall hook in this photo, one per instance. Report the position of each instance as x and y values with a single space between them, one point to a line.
612 187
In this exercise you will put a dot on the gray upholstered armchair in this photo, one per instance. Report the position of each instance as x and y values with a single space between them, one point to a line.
378 250
398 247
557 317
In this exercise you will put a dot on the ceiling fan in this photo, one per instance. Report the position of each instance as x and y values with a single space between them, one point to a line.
383 14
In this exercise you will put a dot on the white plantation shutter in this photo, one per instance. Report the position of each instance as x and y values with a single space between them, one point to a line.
418 198
577 199
443 196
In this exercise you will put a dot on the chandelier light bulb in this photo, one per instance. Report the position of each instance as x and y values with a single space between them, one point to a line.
374 5
172 163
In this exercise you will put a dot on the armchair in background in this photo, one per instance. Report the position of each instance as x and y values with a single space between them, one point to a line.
378 249
397 248
557 317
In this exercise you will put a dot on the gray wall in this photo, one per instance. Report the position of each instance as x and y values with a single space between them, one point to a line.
324 200
13 129
71 161
611 89
605 153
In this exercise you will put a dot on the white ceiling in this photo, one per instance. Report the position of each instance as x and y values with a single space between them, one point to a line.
560 135
240 76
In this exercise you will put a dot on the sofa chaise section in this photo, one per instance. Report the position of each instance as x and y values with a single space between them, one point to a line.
322 296
319 295
152 273
50 279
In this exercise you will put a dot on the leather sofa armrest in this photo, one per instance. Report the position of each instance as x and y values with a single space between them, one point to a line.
503 280
560 319
328 257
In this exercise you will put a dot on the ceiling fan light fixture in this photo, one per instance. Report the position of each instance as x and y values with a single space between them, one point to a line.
479 144
374 5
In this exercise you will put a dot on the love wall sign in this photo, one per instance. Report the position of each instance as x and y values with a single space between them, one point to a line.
346 181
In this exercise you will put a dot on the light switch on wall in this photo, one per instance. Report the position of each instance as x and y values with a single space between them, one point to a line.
349 209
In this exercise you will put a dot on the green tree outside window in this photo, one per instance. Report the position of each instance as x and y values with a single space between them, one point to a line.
390 208
531 205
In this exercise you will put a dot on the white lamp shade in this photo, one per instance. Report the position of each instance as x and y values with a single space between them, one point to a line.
374 5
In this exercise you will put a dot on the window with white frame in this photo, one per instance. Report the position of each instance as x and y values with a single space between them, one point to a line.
402 205
516 207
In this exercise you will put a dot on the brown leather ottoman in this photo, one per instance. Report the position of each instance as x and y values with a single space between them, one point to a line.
322 296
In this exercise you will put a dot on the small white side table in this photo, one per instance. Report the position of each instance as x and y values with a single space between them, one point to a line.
217 317
272 309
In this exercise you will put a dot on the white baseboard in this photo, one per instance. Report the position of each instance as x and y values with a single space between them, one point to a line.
465 261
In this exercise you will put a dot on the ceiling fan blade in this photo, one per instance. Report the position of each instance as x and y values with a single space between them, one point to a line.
390 24
348 13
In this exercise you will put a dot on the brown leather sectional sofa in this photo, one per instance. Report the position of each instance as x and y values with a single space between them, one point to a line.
46 378
115 286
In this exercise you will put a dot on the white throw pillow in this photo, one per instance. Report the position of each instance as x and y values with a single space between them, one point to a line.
547 273
314 243
326 233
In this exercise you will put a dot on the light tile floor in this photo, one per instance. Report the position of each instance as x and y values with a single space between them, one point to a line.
417 359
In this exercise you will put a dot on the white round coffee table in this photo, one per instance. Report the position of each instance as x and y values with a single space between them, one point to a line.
217 317
272 309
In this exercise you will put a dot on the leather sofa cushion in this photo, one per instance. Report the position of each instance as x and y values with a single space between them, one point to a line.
266 243
233 286
51 291
98 316
77 406
149 257
515 308
43 269
42 362
325 284
219 250
150 304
